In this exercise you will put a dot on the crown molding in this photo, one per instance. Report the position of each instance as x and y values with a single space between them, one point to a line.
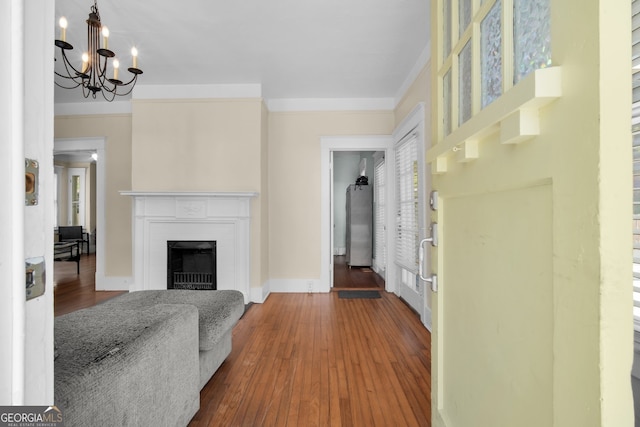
91 108
330 104
197 91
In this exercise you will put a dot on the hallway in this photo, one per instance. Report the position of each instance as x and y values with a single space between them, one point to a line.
354 277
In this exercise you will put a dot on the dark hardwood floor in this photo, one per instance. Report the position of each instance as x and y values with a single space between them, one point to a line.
74 291
354 277
305 360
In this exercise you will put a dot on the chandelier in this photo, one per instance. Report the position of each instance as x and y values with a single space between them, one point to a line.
93 75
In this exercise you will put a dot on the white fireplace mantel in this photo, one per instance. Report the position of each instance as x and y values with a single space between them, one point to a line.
160 216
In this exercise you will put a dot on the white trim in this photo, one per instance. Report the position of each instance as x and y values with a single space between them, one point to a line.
299 286
12 122
219 194
421 62
260 294
328 144
197 91
92 108
415 122
113 283
162 216
99 145
330 104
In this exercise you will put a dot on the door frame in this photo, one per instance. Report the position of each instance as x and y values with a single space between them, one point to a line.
328 145
416 122
97 144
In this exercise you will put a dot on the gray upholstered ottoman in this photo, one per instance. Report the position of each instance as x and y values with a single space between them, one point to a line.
218 312
122 367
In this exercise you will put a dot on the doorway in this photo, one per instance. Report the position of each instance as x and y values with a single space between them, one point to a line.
354 228
331 146
88 146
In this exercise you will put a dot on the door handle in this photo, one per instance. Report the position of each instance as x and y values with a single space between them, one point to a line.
433 279
421 258
434 235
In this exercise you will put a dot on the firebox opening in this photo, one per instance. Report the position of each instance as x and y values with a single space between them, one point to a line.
191 265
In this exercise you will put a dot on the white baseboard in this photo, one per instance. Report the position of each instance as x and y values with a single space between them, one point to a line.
340 251
426 319
382 273
261 293
299 286
113 283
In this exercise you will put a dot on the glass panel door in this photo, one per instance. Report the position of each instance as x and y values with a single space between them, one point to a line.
76 207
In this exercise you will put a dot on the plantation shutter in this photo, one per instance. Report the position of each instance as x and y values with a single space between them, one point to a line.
635 61
380 244
407 203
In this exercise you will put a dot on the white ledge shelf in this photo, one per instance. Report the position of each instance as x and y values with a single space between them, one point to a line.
514 115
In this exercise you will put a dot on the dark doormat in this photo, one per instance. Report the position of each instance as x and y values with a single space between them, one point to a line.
359 294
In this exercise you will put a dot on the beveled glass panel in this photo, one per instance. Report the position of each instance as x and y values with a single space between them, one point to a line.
446 103
464 84
464 15
446 28
491 55
531 36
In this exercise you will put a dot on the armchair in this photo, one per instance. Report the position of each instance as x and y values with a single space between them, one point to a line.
73 233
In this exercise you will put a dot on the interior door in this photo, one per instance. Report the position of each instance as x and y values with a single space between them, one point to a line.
493 325
76 188
532 315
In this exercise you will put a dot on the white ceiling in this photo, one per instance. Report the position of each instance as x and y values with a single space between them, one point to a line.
292 48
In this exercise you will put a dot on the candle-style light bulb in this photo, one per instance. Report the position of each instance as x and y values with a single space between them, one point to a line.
134 53
105 36
85 62
116 65
63 29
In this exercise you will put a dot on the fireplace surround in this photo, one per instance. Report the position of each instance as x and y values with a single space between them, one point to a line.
161 217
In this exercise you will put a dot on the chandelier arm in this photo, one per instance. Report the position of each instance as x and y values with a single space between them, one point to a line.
67 64
133 80
100 75
113 95
67 87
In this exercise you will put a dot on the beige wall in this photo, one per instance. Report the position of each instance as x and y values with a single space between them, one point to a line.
116 129
205 145
225 145
419 91
294 183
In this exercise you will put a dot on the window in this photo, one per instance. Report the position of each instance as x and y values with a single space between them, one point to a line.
407 203
473 71
635 120
57 172
380 248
